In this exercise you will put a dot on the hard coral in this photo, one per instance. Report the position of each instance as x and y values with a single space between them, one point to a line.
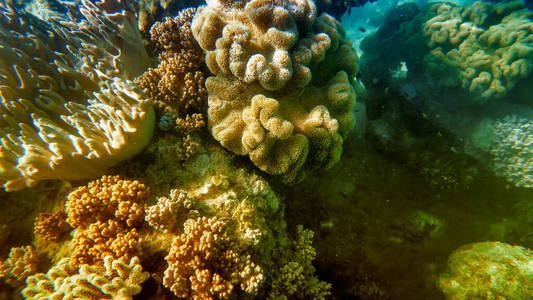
205 263
68 110
50 227
488 270
105 213
263 100
114 280
21 263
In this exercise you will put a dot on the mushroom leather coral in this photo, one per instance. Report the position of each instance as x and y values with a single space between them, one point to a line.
68 108
264 100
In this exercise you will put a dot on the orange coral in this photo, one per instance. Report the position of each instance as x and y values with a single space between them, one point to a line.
177 85
21 263
205 263
106 212
105 198
50 227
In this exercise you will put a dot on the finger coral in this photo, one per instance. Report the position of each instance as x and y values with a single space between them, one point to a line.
486 46
205 263
68 110
50 227
106 212
114 280
264 100
21 263
488 270
170 212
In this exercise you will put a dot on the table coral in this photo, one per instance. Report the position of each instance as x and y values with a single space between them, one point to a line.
50 227
205 263
488 270
486 46
68 108
21 263
264 100
114 280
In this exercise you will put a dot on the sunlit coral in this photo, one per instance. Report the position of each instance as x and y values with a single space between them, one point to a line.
114 280
204 263
68 108
169 213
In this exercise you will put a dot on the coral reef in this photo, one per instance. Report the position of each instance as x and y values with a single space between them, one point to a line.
114 280
169 213
263 100
511 150
486 46
204 263
106 213
488 270
50 227
69 110
21 263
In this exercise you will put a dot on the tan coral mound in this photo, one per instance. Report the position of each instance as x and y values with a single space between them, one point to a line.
68 110
114 280
205 263
106 213
486 48
21 263
264 100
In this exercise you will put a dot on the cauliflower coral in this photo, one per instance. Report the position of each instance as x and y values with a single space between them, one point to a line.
282 91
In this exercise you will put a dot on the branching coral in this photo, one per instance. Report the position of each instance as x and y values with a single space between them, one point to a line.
114 280
50 227
105 213
488 47
511 150
205 263
21 263
170 212
176 85
264 100
488 270
68 110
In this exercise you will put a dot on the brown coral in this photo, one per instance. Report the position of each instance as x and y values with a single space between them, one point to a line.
176 85
105 198
50 227
204 263
106 212
21 263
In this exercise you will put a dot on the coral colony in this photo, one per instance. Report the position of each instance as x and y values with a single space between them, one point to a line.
245 150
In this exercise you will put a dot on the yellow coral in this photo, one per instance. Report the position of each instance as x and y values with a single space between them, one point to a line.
114 280
50 227
62 115
21 263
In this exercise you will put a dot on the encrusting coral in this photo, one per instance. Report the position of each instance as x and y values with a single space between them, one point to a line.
106 213
488 270
511 150
115 279
50 227
68 108
264 100
486 48
204 263
21 263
